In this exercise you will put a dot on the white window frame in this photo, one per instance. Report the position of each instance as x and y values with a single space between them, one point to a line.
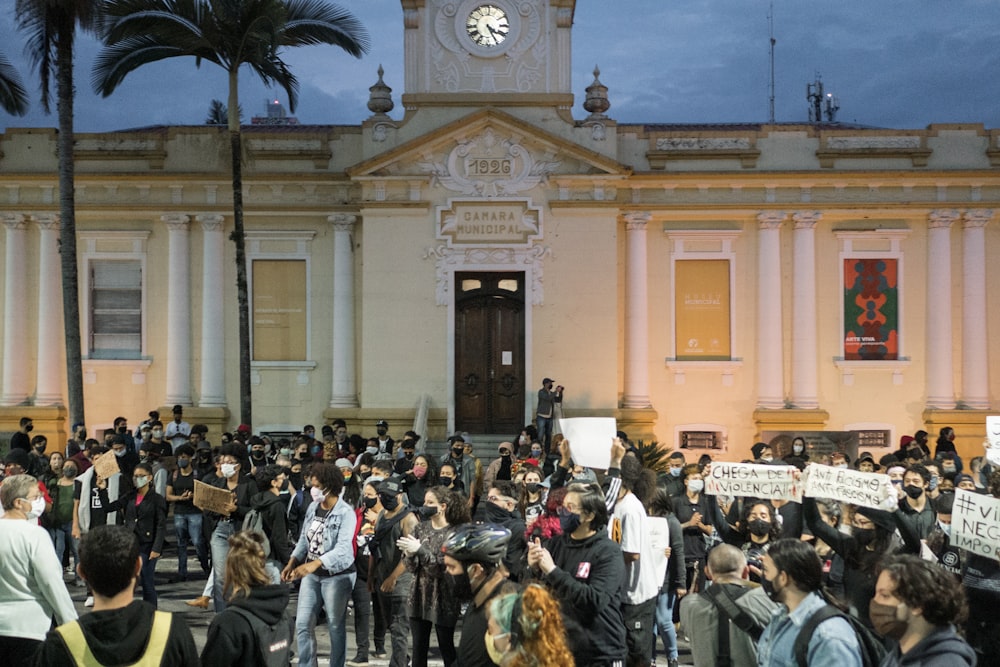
895 237
89 253
680 251
256 242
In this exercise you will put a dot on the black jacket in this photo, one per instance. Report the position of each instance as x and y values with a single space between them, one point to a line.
148 519
272 508
517 548
119 637
231 640
587 581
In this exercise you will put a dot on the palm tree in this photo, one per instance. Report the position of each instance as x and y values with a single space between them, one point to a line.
51 29
218 114
13 97
229 33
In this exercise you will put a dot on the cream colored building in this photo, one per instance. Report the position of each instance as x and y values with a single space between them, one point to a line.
702 283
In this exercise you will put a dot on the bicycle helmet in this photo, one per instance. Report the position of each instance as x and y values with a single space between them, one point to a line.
478 543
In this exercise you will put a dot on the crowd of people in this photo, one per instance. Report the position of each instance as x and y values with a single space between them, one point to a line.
521 559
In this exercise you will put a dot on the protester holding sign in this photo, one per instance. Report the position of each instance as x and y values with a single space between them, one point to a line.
757 528
982 590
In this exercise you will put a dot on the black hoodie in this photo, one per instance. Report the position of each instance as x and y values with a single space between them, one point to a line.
274 508
941 648
119 637
231 641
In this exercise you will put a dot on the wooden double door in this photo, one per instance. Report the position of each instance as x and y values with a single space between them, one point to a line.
489 352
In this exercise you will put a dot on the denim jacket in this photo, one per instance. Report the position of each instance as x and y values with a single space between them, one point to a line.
338 537
834 643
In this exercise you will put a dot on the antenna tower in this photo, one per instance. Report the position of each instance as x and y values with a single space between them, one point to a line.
770 29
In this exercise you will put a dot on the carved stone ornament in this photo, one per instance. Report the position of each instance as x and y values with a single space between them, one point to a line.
448 260
490 166
873 142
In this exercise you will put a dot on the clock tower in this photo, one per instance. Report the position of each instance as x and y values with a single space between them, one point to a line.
487 52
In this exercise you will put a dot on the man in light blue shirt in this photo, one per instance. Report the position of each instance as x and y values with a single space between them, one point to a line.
792 578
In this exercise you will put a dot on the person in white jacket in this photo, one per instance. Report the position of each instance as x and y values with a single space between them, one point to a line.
31 584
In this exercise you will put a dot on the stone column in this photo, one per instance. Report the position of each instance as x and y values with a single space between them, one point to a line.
49 380
213 330
804 372
344 391
940 376
178 310
636 394
770 353
975 360
16 389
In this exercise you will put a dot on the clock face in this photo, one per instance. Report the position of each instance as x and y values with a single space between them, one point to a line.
487 25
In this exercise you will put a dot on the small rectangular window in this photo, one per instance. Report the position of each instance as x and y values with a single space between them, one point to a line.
115 309
872 439
700 440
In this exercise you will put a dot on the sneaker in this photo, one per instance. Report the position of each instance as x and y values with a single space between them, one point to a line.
380 654
79 583
89 601
358 661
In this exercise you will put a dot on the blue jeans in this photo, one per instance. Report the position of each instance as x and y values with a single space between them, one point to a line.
544 426
332 593
62 538
220 549
665 603
189 526
147 575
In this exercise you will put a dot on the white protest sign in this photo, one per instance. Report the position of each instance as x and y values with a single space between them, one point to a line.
993 436
753 481
867 489
659 539
975 523
590 440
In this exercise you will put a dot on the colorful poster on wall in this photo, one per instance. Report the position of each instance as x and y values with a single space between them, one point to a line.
701 310
279 310
871 310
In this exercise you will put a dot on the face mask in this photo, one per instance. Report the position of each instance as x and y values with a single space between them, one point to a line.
371 450
457 452
370 502
69 473
315 449
285 452
768 586
120 452
676 472
419 471
840 465
797 449
496 513
532 487
317 494
536 453
123 429
140 481
381 431
864 536
461 587
568 521
40 449
935 480
696 485
203 458
446 481
157 433
945 528
884 620
496 655
505 456
183 463
913 491
426 511
389 502
29 428
37 508
759 527
408 455
228 470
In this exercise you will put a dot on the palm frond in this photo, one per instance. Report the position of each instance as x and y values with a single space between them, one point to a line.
13 96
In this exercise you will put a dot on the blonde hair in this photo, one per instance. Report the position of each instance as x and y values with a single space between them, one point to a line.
245 564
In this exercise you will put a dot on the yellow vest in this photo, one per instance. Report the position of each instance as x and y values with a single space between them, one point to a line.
78 648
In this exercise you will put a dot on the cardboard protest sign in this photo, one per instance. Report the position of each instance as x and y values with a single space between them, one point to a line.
753 481
659 540
867 489
211 499
590 440
993 436
106 465
975 523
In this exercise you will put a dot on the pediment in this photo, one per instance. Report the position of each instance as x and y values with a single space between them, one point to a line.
487 154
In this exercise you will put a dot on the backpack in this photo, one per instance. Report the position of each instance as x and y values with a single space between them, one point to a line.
254 521
872 650
724 598
273 643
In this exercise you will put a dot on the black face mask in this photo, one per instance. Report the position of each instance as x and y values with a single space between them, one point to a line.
427 512
457 452
496 513
864 536
40 449
913 491
370 502
759 527
445 481
533 487
257 454
408 455
769 589
389 502
123 429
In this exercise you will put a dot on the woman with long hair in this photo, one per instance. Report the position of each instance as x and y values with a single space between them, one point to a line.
251 595
526 630
432 602
422 476
531 504
547 525
674 582
758 526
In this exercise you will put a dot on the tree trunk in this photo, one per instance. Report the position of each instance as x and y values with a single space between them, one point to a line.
67 216
239 238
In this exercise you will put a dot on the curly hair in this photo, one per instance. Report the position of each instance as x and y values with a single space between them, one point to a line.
537 633
329 477
456 509
748 507
245 564
547 525
927 586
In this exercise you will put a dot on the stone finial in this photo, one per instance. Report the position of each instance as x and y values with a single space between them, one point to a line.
597 97
380 97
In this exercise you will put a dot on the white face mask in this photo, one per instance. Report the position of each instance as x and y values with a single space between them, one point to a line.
797 449
696 485
228 470
945 528
37 507
317 494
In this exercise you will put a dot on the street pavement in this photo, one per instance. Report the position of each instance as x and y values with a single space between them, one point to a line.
173 596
